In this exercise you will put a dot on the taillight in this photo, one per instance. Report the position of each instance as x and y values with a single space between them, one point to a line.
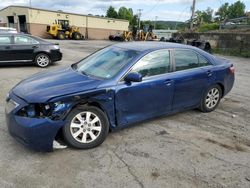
232 69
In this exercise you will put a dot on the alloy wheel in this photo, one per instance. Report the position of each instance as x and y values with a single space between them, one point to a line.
43 60
85 127
212 98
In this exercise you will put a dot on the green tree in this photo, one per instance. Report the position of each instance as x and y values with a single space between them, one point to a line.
134 21
222 12
111 12
198 18
124 13
127 14
236 10
207 15
203 16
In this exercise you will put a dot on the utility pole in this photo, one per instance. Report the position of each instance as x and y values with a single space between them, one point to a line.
30 3
139 18
192 16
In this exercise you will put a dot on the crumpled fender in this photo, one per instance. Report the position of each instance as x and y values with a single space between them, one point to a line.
103 97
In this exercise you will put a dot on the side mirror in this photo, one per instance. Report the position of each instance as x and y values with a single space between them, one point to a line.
133 77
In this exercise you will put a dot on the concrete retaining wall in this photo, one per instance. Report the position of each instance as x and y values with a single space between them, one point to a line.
228 43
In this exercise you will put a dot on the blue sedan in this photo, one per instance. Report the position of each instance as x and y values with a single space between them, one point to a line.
115 87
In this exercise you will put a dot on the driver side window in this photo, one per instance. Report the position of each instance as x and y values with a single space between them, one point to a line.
154 63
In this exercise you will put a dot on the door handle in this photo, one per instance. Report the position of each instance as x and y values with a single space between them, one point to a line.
34 47
7 47
209 73
168 82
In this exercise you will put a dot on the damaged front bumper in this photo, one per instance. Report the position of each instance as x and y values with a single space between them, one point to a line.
35 133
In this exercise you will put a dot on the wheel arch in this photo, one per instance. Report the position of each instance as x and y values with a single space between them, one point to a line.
59 135
222 88
90 102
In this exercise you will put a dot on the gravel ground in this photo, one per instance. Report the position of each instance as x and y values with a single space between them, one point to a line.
189 149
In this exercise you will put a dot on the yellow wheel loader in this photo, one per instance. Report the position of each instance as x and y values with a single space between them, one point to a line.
62 30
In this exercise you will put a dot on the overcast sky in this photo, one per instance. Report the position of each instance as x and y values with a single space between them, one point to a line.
176 10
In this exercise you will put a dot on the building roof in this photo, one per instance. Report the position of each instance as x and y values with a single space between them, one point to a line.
62 12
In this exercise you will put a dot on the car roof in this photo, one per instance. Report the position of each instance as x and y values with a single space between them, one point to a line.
151 45
23 34
8 28
5 33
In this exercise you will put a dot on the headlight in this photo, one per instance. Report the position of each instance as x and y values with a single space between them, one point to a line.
54 111
31 112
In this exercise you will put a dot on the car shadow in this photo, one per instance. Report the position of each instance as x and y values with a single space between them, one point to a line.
19 65
158 118
16 65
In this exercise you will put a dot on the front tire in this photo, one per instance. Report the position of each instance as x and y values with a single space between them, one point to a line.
86 127
42 60
211 99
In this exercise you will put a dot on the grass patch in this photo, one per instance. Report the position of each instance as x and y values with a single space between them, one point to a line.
208 27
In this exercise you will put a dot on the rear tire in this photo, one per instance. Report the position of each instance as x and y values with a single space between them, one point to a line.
86 127
211 99
61 35
42 60
77 36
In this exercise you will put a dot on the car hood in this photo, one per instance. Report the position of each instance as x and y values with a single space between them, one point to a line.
46 85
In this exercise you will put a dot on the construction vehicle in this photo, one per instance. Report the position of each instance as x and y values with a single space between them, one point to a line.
136 35
125 36
146 36
62 30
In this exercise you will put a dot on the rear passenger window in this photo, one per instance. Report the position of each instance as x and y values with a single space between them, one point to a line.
185 59
154 63
5 40
203 61
24 40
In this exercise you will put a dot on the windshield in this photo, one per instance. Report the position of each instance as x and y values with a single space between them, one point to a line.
106 63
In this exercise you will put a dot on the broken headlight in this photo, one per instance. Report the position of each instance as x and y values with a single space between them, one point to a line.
54 111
